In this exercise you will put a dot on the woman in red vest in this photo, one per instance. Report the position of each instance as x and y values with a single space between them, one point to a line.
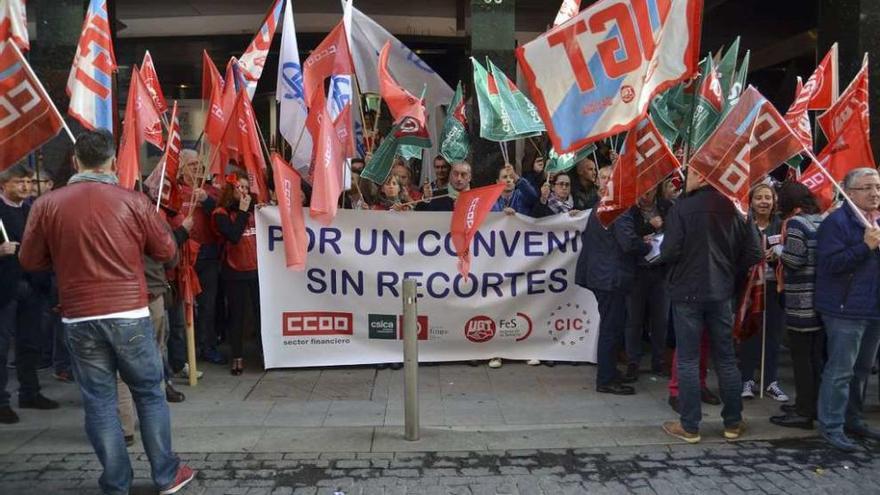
234 219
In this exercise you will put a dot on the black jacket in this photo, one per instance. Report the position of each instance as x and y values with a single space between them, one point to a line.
643 227
706 244
14 220
608 257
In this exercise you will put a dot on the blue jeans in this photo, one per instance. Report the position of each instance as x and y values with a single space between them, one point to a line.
690 319
20 322
612 322
100 349
851 346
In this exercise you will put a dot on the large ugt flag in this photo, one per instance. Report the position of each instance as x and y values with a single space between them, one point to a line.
751 141
288 190
471 209
27 117
142 124
595 75
645 162
253 59
823 86
90 82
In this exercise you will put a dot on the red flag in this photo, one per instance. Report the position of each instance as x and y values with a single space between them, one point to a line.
773 142
797 116
822 187
221 106
646 161
401 103
288 190
211 80
188 278
151 80
852 103
330 58
241 143
749 318
253 59
28 118
171 164
13 23
142 123
824 85
471 209
327 177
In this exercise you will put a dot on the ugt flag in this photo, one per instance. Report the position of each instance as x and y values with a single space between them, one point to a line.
90 84
28 118
13 23
253 59
594 76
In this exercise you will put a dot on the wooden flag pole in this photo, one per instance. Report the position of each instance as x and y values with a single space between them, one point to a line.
191 345
425 200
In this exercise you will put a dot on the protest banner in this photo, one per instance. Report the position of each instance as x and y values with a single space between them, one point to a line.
518 302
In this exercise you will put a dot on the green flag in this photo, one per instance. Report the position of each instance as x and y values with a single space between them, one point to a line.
523 115
739 83
560 163
707 108
454 140
661 114
374 101
407 132
727 68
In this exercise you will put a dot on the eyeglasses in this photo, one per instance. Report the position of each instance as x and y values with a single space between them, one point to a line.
875 188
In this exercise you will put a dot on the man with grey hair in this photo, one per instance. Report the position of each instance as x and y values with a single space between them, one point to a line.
20 303
848 299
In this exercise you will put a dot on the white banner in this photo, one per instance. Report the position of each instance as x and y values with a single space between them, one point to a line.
519 301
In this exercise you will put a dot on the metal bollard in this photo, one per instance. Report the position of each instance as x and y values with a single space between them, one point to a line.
410 360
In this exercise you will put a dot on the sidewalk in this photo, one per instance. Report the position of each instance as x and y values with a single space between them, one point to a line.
361 410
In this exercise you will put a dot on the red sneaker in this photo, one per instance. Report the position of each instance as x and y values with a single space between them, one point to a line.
185 474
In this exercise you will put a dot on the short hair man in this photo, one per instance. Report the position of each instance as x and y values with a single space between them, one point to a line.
95 234
848 299
459 181
441 173
707 243
20 304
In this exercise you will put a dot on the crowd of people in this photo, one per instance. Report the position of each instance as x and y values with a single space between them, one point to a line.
95 269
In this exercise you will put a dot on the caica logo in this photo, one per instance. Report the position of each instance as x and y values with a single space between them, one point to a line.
316 323
382 326
422 321
480 329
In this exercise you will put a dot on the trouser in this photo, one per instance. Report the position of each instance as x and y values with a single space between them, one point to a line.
750 350
101 349
704 366
647 302
852 345
126 403
208 272
20 322
690 321
612 318
807 359
241 294
176 337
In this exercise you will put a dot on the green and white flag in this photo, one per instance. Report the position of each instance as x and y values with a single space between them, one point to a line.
727 70
708 107
739 84
502 112
455 144
523 115
407 132
661 111
560 163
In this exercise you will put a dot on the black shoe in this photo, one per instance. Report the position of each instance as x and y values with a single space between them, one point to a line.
38 402
473 363
129 440
172 395
787 408
660 371
616 389
213 356
792 420
673 403
8 416
632 373
708 397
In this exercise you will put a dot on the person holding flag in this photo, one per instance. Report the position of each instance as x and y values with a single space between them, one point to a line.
459 181
706 243
518 196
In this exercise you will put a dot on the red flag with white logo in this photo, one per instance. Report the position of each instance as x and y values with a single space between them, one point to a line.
288 190
327 176
773 142
330 58
471 209
401 103
241 143
797 116
212 81
142 124
170 190
853 103
253 59
645 162
221 104
28 119
13 23
749 318
151 80
824 84
90 83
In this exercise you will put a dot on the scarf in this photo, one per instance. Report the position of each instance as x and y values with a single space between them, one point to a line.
94 177
557 205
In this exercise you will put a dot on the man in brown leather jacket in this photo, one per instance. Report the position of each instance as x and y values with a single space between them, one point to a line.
94 235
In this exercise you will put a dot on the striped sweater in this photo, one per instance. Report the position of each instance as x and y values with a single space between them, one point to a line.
799 262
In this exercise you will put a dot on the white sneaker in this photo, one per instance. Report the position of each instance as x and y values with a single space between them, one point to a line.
495 363
776 393
749 389
184 373
533 362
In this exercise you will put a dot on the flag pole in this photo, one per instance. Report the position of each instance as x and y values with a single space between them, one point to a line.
30 71
3 232
161 183
763 323
191 345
